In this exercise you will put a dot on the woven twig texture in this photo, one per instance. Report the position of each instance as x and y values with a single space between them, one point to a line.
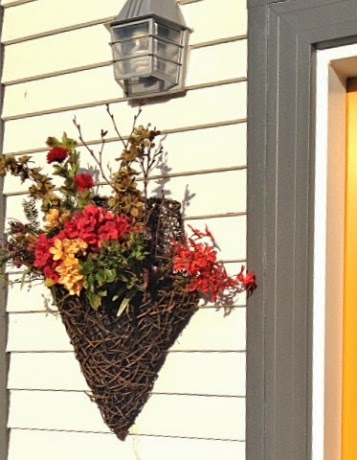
120 357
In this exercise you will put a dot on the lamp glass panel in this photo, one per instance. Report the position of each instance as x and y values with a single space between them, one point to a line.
140 66
142 86
131 40
119 55
169 33
167 50
168 70
127 32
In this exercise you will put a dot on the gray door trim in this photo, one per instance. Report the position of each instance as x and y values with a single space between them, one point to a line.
282 40
4 401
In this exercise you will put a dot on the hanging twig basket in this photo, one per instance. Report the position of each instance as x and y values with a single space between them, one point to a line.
120 357
123 274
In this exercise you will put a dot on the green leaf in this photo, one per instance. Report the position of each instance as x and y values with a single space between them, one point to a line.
52 142
95 300
123 306
110 275
101 277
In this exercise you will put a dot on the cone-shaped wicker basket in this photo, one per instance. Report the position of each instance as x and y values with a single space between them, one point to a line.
120 357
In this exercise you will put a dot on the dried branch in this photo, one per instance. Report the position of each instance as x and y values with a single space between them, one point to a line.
98 161
116 127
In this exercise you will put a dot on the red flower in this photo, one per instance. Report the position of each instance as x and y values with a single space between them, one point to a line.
58 154
43 258
50 273
114 229
96 225
207 275
206 234
42 255
84 182
248 280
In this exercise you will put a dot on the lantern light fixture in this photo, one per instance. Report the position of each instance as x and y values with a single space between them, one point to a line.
149 44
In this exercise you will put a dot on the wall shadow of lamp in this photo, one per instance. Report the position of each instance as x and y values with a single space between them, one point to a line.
150 45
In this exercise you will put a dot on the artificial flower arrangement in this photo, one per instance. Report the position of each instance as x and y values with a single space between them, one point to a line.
125 278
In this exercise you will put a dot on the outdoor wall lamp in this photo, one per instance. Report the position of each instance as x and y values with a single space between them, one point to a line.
149 44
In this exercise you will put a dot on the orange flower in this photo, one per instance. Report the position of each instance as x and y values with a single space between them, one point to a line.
70 276
67 248
69 267
52 217
65 217
55 218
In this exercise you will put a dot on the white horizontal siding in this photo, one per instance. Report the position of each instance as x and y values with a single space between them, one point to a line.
229 18
70 57
45 445
166 415
208 330
229 186
207 105
65 71
219 374
185 153
69 48
59 16
68 90
18 296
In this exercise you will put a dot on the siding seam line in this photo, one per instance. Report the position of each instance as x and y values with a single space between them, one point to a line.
15 193
184 129
98 65
219 41
201 172
154 393
130 434
60 30
68 28
16 3
116 100
169 352
23 2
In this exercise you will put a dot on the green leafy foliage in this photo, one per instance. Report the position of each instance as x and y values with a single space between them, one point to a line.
116 264
31 214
